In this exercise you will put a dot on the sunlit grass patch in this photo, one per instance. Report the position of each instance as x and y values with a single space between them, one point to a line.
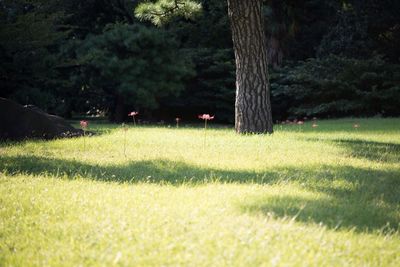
300 197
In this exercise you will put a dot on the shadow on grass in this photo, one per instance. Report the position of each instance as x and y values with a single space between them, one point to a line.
152 171
365 199
353 213
348 197
370 150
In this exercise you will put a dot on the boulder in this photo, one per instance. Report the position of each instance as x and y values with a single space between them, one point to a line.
19 122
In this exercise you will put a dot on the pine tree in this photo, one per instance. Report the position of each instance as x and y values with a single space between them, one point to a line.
252 106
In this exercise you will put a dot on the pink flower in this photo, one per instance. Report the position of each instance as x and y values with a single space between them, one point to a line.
84 124
300 122
133 113
177 119
206 117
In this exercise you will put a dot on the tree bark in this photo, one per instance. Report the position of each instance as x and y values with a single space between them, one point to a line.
253 105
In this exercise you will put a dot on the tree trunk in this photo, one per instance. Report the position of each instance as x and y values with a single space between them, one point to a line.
253 104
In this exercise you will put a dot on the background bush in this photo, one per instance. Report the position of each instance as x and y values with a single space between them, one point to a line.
327 59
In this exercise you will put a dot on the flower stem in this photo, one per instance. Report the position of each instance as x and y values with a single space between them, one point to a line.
125 143
84 140
205 132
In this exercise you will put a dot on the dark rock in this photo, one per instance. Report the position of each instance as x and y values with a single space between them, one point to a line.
18 122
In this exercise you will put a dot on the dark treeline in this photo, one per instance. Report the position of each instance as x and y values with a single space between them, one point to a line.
328 58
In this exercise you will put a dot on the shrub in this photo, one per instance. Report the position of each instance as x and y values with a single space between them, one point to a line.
335 87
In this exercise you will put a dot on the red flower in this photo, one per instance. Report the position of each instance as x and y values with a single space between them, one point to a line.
206 117
84 124
133 113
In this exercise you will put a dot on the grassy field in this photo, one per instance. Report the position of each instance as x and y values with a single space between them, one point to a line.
325 196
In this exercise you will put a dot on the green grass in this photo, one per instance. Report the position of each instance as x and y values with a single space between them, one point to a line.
328 196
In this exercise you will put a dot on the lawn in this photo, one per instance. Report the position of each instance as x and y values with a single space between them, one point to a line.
325 196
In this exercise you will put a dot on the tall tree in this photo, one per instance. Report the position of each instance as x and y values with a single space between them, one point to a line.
252 105
132 65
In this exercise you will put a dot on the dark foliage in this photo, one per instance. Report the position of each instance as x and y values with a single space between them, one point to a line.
336 86
328 58
131 65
